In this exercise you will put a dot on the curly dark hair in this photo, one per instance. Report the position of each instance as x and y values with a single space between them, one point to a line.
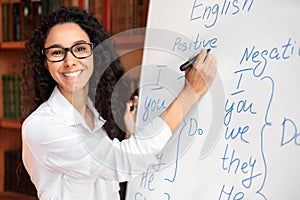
38 84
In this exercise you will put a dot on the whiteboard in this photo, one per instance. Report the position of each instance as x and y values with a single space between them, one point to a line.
242 140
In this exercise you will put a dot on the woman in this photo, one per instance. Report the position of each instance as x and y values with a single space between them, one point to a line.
66 145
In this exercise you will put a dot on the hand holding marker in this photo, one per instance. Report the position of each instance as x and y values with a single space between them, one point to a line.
191 62
183 67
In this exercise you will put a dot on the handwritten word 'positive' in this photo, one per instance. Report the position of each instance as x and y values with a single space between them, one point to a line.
197 43
211 13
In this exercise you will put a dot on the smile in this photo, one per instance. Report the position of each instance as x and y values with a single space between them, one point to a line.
73 74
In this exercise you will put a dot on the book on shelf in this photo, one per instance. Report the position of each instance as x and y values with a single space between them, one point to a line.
13 182
124 14
10 178
19 18
96 8
51 5
11 92
17 21
7 23
120 15
140 12
128 14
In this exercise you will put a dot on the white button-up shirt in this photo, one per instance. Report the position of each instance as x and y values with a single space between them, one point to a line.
68 161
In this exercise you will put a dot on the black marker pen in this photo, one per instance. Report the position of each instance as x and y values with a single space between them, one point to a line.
191 62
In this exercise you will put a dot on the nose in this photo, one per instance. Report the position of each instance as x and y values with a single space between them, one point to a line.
69 60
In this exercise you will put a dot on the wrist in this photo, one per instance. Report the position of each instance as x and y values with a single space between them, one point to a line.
189 93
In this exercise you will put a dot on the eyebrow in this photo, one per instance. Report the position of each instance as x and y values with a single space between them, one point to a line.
61 46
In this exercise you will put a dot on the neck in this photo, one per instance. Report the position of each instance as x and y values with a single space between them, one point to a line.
78 99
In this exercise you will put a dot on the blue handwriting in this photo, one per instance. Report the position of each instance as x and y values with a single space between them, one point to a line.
261 57
210 14
294 136
182 44
152 105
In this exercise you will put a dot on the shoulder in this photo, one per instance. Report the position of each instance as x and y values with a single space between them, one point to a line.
40 122
41 115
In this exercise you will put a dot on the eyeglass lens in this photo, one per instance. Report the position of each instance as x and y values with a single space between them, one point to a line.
78 50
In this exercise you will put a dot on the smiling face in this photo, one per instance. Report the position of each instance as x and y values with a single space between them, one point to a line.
71 74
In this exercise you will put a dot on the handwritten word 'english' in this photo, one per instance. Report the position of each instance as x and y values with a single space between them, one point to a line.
211 13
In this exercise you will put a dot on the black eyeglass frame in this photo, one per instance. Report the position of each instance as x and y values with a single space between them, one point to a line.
69 49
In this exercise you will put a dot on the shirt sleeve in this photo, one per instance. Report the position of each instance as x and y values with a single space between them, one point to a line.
68 150
134 155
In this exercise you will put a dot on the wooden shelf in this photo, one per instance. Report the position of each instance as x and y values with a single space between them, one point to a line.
12 45
10 123
15 196
127 41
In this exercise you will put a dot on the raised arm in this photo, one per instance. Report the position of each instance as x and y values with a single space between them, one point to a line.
197 81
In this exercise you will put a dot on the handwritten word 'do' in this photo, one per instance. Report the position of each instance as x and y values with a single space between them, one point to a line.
152 105
289 126
194 128
211 13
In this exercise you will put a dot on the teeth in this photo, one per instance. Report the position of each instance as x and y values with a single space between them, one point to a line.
73 74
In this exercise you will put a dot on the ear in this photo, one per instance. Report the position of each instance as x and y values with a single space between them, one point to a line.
46 66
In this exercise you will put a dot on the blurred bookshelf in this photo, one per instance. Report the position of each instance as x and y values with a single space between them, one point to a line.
10 123
12 45
18 18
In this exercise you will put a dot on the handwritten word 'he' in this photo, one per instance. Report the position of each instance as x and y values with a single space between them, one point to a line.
231 195
148 177
211 13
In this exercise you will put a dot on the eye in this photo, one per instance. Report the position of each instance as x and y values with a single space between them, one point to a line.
56 52
80 48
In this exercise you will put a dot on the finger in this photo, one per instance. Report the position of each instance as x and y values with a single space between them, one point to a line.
201 57
210 69
132 107
133 103
135 100
129 106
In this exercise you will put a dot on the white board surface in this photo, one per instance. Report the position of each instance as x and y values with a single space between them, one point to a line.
242 140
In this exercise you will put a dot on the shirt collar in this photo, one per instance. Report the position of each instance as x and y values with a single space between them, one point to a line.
66 111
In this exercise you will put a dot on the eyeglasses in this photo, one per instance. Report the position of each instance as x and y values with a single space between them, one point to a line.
58 53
